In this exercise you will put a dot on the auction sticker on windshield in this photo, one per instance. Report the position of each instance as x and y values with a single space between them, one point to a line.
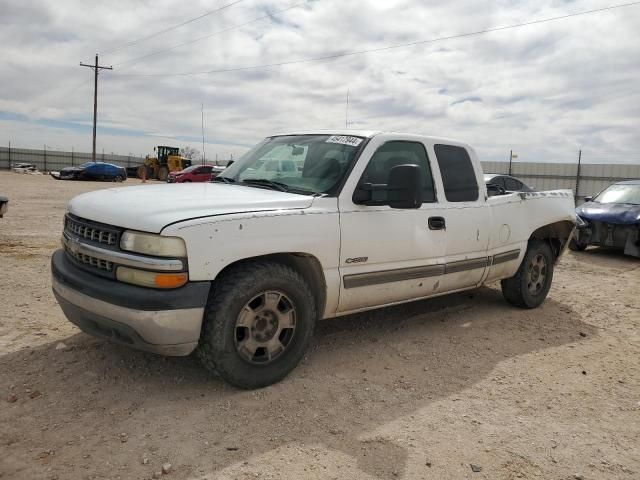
345 140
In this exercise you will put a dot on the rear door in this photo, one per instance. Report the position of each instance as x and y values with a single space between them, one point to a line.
389 255
467 217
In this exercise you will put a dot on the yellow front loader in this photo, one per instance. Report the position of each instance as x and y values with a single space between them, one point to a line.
168 159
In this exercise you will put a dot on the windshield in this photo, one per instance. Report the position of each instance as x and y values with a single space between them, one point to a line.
307 164
620 194
85 165
190 169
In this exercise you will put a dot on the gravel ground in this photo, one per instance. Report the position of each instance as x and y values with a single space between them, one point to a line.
424 390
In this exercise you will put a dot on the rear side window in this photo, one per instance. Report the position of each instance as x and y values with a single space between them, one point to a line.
498 181
458 175
395 153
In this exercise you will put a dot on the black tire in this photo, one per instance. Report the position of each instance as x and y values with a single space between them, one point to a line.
222 343
576 246
163 173
528 289
118 178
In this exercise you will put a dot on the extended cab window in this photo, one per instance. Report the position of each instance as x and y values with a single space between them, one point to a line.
458 175
396 153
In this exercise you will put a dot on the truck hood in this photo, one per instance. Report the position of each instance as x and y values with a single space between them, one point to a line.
150 208
618 213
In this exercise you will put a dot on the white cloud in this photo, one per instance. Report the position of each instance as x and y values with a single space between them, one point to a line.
543 90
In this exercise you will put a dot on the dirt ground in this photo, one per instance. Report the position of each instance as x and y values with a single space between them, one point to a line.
420 391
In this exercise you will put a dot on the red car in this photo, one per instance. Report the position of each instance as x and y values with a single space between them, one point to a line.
194 173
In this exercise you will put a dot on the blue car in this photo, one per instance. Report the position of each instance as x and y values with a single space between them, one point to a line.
105 172
610 219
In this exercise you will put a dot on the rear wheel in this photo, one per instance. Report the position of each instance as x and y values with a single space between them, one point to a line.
257 325
529 287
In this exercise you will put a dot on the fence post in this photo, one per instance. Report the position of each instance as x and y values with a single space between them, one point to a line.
9 164
578 172
510 160
45 157
72 156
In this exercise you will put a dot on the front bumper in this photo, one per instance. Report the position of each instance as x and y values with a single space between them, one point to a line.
167 322
625 237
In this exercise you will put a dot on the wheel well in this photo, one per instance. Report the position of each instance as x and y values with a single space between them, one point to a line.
306 265
557 234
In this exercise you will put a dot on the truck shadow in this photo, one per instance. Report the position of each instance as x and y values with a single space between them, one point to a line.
362 372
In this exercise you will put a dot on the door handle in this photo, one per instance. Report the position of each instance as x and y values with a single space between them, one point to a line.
437 223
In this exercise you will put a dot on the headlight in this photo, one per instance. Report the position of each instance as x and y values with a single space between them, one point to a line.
151 244
151 279
580 223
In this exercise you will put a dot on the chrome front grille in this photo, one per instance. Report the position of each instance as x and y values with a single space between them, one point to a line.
90 232
88 260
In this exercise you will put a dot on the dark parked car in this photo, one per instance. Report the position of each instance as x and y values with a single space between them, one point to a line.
610 219
106 172
498 184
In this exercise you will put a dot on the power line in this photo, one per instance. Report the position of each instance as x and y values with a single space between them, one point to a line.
153 35
229 29
380 49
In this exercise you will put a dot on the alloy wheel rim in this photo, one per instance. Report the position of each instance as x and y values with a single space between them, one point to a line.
537 274
265 327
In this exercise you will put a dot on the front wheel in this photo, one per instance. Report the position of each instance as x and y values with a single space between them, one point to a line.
118 178
529 287
163 173
258 323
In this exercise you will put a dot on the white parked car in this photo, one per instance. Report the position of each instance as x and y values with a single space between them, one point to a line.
241 269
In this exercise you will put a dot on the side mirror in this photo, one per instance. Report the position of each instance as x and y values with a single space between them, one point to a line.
588 199
405 187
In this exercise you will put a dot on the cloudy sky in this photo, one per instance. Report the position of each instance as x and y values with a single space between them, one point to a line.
544 90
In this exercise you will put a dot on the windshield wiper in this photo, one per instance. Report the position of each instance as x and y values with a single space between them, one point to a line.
283 187
223 179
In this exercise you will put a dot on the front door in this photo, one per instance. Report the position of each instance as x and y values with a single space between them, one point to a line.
390 255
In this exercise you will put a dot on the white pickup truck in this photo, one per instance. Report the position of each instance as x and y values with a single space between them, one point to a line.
240 269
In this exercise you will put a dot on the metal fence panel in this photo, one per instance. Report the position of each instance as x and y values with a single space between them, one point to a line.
550 176
48 160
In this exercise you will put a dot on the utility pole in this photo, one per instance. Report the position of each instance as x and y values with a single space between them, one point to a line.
204 155
346 113
578 172
96 68
510 160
